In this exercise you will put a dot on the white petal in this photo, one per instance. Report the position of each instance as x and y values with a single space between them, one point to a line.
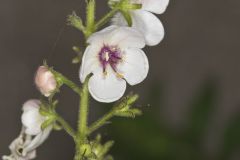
38 140
126 37
101 36
155 6
135 66
33 103
121 36
149 25
119 20
90 61
32 120
145 22
107 88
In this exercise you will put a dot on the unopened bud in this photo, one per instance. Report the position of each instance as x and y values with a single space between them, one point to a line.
45 81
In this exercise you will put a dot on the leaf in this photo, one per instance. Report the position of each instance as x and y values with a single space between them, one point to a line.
231 140
202 109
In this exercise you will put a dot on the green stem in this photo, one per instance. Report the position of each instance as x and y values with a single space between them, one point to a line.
61 79
82 120
99 123
83 111
90 18
66 126
125 102
106 18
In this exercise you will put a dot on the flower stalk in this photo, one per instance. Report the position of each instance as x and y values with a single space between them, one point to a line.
66 126
82 121
61 79
106 18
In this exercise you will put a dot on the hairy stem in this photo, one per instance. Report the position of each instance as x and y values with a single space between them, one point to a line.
99 123
90 18
82 120
66 126
106 18
61 79
83 111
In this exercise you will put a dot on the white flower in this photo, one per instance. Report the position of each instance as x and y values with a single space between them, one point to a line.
32 121
31 136
45 81
114 56
145 21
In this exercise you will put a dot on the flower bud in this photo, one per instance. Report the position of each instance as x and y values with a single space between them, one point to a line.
45 81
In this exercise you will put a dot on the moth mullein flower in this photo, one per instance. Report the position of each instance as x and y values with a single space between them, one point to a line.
45 81
31 136
114 56
32 121
145 21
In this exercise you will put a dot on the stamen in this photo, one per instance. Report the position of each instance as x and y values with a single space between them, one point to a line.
107 56
105 73
119 75
112 56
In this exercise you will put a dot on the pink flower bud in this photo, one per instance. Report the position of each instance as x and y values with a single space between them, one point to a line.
45 81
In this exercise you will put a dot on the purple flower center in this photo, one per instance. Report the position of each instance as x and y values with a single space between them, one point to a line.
110 55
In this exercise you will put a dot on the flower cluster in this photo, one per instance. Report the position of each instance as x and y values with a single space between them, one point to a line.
115 54
113 58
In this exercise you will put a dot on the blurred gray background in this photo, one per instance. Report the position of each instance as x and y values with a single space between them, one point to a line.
201 43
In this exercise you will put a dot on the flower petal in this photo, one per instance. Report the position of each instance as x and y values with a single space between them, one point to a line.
121 36
106 88
38 140
135 66
90 61
30 104
102 35
149 25
155 6
32 120
126 37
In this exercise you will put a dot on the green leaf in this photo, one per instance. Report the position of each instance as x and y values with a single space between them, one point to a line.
202 110
231 138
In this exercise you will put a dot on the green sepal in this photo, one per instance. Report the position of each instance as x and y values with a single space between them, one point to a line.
86 150
47 123
130 113
79 53
109 157
127 17
75 21
57 127
106 147
44 112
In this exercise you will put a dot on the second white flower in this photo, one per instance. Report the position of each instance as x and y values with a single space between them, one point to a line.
114 56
